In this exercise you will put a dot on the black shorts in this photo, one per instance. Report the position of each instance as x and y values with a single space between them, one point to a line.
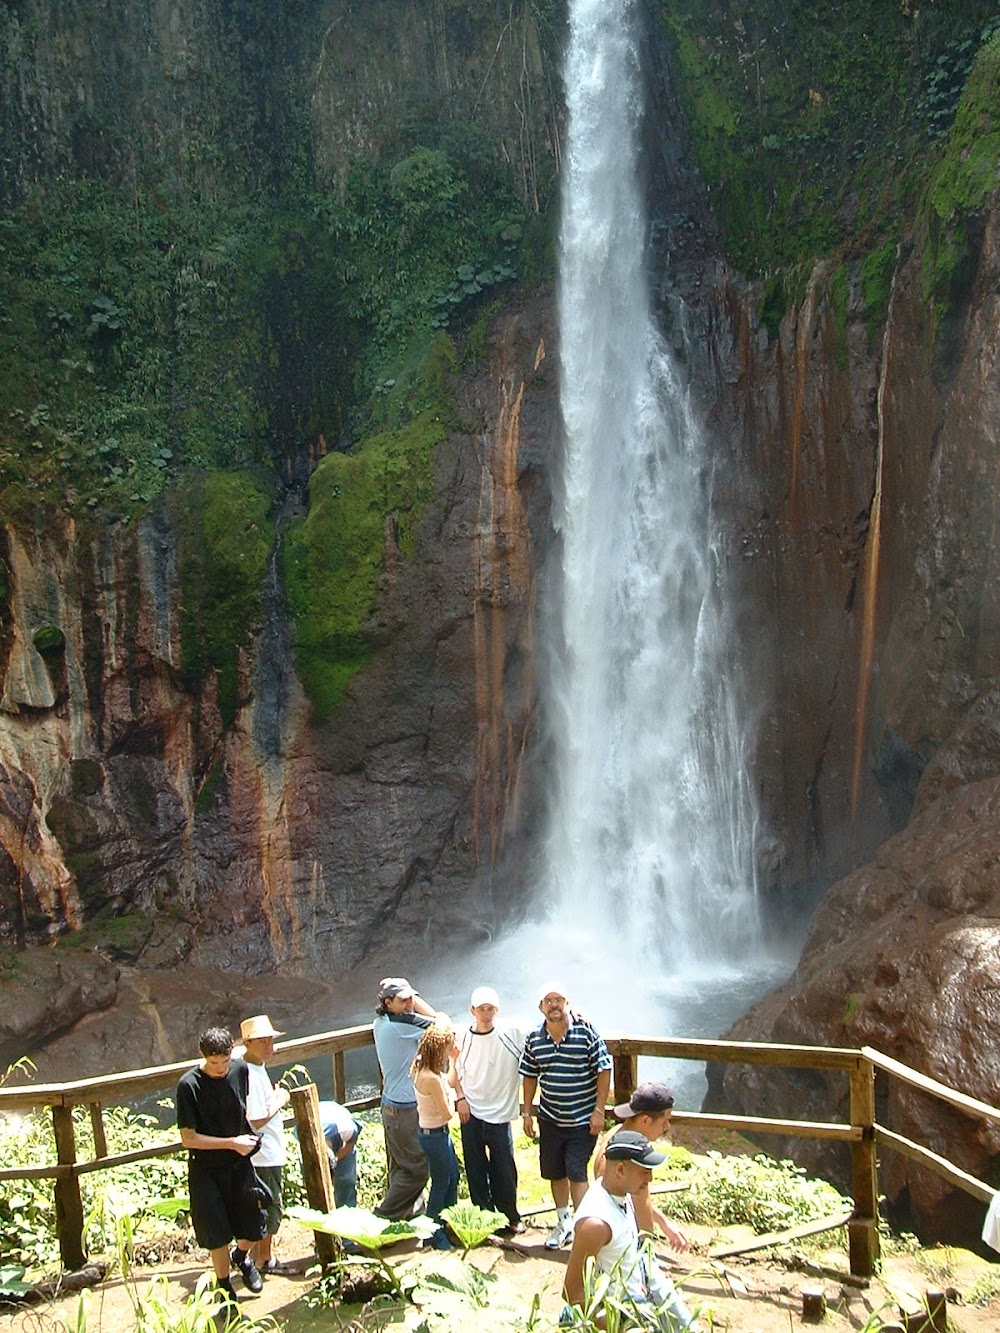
224 1206
564 1150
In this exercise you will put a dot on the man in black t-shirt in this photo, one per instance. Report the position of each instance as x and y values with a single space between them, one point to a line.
223 1187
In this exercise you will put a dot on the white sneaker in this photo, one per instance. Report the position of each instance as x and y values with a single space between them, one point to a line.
560 1234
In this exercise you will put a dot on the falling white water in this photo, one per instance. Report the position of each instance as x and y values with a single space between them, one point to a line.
653 826
647 904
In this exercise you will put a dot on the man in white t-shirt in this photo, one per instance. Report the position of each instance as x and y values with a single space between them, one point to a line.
264 1106
486 1096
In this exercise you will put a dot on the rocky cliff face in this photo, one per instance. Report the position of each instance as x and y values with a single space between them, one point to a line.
249 848
866 480
856 476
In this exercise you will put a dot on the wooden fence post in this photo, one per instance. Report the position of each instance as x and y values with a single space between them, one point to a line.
315 1165
69 1205
626 1072
862 1230
97 1125
339 1078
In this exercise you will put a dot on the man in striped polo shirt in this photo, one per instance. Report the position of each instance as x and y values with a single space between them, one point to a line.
567 1062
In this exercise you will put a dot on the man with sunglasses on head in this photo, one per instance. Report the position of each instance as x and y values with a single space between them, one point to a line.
566 1061
401 1016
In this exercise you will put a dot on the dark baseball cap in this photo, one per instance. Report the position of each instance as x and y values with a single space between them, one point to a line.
648 1098
628 1145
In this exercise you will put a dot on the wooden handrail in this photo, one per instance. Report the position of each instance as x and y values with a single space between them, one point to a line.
941 1165
134 1083
929 1085
751 1124
862 1134
736 1052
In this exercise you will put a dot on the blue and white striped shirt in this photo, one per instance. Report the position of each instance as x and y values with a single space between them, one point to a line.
566 1071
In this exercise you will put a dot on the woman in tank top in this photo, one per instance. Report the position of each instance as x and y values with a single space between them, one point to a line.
435 1108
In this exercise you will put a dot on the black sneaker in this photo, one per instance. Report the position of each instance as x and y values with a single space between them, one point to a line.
251 1278
225 1286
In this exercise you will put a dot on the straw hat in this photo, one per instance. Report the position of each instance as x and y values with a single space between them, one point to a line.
260 1026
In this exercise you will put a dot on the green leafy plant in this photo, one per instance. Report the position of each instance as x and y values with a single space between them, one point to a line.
27 1207
12 1280
471 1224
363 1227
755 1191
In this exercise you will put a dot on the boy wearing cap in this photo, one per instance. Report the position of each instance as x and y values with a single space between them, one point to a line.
264 1106
647 1112
606 1231
486 1087
401 1016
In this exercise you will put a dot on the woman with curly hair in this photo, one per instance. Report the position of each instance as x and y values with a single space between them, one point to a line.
435 1108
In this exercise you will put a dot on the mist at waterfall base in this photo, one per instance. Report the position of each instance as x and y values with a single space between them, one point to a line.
648 910
618 993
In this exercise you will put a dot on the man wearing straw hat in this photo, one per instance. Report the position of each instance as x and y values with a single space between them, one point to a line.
265 1104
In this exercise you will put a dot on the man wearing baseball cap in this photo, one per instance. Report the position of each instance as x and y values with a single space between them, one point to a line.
486 1088
265 1104
605 1230
648 1112
401 1016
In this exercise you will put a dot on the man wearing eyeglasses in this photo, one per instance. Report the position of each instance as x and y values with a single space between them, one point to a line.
566 1061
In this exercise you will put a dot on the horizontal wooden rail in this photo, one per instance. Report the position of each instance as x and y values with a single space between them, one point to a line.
750 1124
930 1085
971 1184
736 1052
133 1083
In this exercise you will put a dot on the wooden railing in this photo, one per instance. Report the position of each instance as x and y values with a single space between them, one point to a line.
862 1134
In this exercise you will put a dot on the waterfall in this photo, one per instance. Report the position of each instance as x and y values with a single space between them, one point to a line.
645 905
653 823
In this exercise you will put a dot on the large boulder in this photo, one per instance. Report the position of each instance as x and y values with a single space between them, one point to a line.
902 955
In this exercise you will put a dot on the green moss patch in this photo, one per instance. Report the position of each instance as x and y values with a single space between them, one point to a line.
358 502
814 127
225 537
964 179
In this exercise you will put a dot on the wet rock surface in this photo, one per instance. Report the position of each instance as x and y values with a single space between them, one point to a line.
902 955
131 812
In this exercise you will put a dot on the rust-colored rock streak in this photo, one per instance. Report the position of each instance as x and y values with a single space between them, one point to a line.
870 580
503 561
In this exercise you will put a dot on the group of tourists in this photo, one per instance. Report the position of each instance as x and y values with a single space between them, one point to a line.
484 1073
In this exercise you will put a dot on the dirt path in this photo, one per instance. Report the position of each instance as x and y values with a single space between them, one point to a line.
751 1294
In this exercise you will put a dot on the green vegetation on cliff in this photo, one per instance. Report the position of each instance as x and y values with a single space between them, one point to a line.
143 334
832 133
225 538
363 505
964 177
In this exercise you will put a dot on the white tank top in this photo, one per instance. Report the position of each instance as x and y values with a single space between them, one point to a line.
622 1250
